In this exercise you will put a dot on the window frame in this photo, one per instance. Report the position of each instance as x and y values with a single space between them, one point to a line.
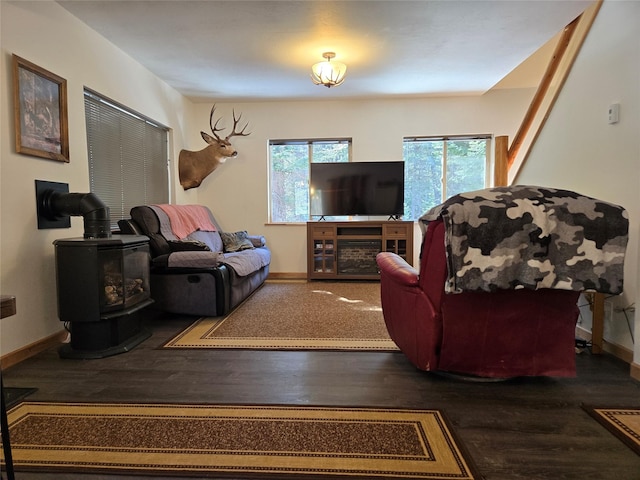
310 142
488 138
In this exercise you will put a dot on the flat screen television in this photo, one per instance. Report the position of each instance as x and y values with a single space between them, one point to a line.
357 188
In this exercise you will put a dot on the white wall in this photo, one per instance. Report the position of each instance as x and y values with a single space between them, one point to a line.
579 150
45 34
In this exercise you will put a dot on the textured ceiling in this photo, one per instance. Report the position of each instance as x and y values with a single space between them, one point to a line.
263 50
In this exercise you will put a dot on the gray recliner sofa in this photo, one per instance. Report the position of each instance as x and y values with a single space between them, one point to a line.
196 267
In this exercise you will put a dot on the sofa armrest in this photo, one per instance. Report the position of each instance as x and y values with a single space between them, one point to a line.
189 259
396 269
129 227
195 259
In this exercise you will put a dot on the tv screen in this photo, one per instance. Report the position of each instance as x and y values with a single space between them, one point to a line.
357 188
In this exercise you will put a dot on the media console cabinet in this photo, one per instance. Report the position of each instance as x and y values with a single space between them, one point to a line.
347 250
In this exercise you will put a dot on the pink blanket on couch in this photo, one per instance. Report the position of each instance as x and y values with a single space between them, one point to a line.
186 219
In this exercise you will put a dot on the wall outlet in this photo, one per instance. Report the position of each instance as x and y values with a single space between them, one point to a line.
614 113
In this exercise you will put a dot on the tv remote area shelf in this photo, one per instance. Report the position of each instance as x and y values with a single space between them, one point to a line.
347 250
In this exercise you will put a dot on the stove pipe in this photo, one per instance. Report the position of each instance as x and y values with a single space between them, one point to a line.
96 215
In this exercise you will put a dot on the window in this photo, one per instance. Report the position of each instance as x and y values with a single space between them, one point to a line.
289 173
438 168
128 157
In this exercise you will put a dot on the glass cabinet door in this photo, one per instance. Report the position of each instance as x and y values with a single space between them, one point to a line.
397 246
323 256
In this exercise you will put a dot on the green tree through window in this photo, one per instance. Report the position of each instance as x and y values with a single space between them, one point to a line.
438 168
289 173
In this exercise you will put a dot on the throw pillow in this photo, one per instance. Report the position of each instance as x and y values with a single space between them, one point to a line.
234 242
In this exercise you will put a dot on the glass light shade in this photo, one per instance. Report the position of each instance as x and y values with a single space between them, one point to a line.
330 74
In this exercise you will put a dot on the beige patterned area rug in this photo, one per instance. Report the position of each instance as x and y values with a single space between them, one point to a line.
297 316
624 423
236 441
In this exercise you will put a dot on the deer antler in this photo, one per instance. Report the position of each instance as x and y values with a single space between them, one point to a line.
214 128
235 124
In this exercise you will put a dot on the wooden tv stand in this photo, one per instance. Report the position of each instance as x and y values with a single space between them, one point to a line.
347 250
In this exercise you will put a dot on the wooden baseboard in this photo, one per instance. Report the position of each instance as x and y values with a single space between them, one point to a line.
28 351
287 276
635 371
614 349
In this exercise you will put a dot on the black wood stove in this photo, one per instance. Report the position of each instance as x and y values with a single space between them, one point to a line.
102 286
102 279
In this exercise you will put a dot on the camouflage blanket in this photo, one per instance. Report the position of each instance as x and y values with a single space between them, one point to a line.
532 237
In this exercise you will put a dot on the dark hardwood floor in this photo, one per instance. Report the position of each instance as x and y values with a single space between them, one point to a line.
530 428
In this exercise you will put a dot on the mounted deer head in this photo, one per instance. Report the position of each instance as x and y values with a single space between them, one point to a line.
193 167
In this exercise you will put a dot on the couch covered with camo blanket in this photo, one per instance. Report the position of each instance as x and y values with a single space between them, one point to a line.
196 267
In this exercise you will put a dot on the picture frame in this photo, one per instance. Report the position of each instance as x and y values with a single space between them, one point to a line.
40 108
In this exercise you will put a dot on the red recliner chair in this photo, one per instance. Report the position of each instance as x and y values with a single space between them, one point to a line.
500 334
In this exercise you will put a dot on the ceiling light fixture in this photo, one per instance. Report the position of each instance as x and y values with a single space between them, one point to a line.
328 73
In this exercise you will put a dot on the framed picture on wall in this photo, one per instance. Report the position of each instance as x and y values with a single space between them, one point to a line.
40 105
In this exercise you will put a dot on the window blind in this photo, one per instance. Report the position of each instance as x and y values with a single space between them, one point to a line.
128 157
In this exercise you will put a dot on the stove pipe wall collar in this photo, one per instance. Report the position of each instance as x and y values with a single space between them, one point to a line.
54 204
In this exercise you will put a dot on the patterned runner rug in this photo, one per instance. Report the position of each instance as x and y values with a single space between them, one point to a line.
297 316
624 423
219 440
